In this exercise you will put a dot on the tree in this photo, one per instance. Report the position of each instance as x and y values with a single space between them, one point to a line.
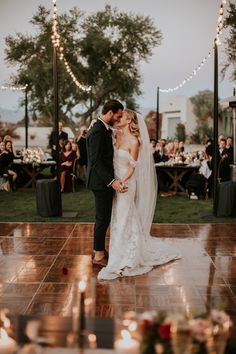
180 132
103 50
230 49
203 110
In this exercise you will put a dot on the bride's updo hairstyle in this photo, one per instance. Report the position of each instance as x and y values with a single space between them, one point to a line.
133 125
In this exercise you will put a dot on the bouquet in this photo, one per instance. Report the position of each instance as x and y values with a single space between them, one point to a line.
177 334
33 155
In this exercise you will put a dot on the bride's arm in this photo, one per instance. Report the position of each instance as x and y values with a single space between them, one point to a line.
134 150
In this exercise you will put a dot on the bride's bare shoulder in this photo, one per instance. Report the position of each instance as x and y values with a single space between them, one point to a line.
133 140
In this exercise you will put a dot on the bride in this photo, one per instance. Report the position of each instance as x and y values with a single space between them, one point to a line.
132 251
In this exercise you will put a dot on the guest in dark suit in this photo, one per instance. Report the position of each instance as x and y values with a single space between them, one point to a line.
230 150
62 137
100 174
224 162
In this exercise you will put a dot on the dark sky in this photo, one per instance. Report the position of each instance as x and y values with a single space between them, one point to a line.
188 28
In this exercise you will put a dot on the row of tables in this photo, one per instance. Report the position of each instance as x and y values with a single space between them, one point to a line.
176 173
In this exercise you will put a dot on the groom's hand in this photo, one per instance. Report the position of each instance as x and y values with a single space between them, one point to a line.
119 186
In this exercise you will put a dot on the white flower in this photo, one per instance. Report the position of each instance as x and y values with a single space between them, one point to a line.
33 155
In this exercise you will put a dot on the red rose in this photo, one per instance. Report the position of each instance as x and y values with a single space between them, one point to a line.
164 331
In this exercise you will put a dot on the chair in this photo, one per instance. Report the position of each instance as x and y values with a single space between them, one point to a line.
3 182
74 175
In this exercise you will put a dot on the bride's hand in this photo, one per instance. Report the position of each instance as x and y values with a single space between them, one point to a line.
124 185
119 186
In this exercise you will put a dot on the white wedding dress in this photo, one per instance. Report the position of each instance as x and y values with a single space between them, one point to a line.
132 251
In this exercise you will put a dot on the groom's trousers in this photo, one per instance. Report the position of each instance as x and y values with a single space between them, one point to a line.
103 205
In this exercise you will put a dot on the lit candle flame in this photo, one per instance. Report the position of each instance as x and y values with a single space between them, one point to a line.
82 285
125 334
3 335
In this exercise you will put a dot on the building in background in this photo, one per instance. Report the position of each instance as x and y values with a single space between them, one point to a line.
177 109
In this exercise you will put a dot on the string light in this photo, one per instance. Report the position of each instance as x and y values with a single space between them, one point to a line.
14 88
204 60
60 49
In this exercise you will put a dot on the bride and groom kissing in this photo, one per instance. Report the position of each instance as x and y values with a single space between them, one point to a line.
122 176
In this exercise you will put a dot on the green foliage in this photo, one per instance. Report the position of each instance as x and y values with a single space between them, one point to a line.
180 132
230 50
203 107
103 50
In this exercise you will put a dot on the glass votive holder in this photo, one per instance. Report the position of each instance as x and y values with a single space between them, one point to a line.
126 338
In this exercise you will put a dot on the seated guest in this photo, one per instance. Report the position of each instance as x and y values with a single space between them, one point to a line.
160 155
153 146
7 138
67 158
170 150
181 146
6 159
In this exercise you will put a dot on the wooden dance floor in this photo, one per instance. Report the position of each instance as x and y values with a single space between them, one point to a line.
40 262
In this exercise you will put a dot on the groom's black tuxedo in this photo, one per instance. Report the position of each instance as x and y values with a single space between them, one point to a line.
100 170
100 173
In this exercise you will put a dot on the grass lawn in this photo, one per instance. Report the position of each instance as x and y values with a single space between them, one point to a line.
21 207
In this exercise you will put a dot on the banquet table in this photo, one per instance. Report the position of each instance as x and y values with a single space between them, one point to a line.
31 171
178 174
75 351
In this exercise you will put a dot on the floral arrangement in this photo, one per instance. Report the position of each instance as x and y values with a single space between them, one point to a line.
176 334
33 155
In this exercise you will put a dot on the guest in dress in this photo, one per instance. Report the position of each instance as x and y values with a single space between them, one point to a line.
6 159
83 158
67 158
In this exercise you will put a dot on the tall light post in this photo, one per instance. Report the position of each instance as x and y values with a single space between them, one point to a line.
157 118
57 196
56 110
26 116
215 130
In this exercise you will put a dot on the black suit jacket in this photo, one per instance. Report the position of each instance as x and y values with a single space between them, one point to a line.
53 138
100 171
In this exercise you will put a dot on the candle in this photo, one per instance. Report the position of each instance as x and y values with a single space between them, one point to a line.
126 345
7 344
82 287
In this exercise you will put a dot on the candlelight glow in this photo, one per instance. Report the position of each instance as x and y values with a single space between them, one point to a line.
3 335
132 326
82 285
125 334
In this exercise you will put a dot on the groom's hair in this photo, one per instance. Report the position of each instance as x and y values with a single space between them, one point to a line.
112 105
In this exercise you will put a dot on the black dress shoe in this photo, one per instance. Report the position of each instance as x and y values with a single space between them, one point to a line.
101 262
106 254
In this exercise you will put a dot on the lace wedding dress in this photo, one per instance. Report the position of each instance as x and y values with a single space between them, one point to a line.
132 251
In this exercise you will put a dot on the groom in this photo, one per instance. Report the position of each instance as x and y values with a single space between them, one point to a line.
100 174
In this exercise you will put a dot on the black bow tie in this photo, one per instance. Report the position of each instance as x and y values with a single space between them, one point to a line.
110 131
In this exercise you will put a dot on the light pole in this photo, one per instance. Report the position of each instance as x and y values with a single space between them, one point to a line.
157 117
56 196
26 116
215 129
56 112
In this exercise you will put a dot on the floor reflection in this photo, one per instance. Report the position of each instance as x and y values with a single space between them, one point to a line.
40 263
